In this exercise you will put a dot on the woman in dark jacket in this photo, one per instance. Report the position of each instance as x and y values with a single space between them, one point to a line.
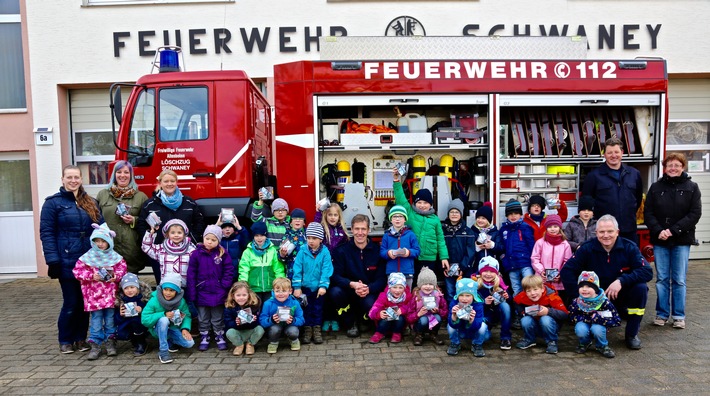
672 210
65 229
168 203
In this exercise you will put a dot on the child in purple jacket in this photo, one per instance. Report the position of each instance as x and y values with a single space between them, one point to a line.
209 277
334 225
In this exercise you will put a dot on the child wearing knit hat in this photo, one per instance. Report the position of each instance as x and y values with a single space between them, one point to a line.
485 233
173 254
209 277
131 298
494 293
399 245
536 214
391 309
461 244
428 307
592 313
312 270
466 319
293 240
279 221
583 226
235 239
550 253
260 263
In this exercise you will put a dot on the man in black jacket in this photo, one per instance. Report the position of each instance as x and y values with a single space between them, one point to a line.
358 276
623 274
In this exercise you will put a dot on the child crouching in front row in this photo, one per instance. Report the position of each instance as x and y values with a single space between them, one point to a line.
592 313
168 318
428 307
241 318
131 298
466 319
391 308
281 313
542 311
494 294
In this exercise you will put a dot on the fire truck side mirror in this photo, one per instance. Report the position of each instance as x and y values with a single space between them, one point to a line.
117 105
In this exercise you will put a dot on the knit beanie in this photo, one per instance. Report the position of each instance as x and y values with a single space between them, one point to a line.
590 279
456 204
397 209
397 278
171 280
466 286
552 219
130 279
315 230
102 232
537 200
214 230
298 213
424 195
225 225
513 206
486 211
426 277
258 228
586 202
171 223
278 204
488 263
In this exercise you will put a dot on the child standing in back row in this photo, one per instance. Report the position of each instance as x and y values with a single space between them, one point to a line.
550 253
461 245
583 226
99 271
334 226
399 245
173 254
293 240
278 223
235 239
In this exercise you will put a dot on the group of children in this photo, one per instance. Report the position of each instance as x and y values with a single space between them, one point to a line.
276 284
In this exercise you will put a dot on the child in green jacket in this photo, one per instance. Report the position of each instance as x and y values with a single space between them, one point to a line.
260 264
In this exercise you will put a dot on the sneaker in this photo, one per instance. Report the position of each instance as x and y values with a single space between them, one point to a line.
82 346
418 339
326 325
272 348
659 321
453 349
679 324
376 338
606 351
477 350
516 323
307 335
551 347
296 345
66 348
140 349
633 343
334 326
396 338
172 347
95 351
353 332
505 345
165 357
582 348
238 350
525 344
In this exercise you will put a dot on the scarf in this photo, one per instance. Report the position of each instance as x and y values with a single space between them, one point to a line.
424 212
554 239
396 233
395 300
430 316
487 230
98 258
259 251
451 228
537 218
168 305
172 202
176 249
317 251
591 304
122 192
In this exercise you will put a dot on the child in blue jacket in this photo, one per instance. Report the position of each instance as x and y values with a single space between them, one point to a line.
469 322
460 242
235 239
486 235
131 298
281 314
399 245
312 270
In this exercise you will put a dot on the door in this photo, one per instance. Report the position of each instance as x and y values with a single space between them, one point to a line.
16 218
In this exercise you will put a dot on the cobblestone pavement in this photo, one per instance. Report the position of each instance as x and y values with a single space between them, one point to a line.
671 360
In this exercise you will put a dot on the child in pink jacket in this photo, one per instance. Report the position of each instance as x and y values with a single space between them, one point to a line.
99 271
550 253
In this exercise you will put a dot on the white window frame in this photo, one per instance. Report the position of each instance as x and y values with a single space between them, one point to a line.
14 18
92 3
689 147
82 159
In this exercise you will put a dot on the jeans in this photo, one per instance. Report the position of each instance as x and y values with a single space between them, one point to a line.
422 324
73 322
450 287
101 325
165 333
250 336
275 330
516 278
500 312
584 331
394 326
482 335
313 313
671 271
545 327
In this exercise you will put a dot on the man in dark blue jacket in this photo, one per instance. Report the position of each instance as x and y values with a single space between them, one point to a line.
623 274
358 276
617 189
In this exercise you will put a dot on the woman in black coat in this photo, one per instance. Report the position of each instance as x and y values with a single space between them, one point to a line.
672 210
65 230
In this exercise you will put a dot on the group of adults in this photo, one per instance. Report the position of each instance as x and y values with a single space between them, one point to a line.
65 228
672 209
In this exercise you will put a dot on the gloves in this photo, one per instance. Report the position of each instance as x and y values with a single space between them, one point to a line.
54 270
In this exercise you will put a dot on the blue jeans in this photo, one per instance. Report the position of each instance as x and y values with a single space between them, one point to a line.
585 331
671 270
545 327
450 288
73 321
482 335
500 312
394 326
516 278
101 325
422 324
167 333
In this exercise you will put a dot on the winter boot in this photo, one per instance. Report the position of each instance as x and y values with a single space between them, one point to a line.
139 344
221 342
418 338
111 346
205 341
95 351
307 334
317 336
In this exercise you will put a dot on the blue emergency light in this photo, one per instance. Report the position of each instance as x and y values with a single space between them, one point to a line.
169 61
